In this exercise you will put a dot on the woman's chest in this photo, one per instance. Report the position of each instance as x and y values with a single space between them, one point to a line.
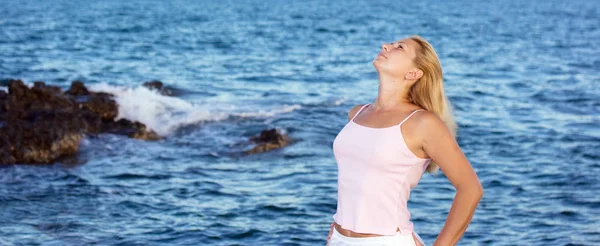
370 148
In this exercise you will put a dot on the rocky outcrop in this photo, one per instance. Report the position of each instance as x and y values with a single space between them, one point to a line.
42 123
268 140
160 87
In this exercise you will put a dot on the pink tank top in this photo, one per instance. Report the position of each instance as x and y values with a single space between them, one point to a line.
376 171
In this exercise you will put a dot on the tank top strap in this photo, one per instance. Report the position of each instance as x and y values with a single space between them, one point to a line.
411 114
361 108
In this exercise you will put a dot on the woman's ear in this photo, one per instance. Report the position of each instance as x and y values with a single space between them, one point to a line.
414 74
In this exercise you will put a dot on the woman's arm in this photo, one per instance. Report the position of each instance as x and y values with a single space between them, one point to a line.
443 149
330 232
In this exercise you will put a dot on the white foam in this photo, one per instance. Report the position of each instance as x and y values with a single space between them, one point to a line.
4 88
339 102
160 113
268 113
165 114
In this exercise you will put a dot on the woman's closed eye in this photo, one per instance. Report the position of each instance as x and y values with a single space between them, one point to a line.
399 45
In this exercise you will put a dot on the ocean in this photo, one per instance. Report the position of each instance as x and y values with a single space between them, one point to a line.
523 77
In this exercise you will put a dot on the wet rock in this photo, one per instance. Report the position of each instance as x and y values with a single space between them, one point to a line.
6 150
135 130
268 140
40 136
42 85
101 104
77 89
158 86
41 124
3 100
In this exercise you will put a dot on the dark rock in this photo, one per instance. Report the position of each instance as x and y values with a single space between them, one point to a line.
154 84
101 104
158 86
42 85
268 140
39 84
78 89
6 150
42 124
132 129
93 122
17 89
3 100
42 136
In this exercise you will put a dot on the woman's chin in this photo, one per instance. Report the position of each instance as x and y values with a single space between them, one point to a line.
377 64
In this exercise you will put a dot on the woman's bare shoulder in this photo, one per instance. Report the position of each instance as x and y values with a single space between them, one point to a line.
431 125
354 110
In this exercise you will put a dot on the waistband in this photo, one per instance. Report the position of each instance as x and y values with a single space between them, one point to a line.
392 239
383 238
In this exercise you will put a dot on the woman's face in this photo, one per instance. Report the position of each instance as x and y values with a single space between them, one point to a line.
396 59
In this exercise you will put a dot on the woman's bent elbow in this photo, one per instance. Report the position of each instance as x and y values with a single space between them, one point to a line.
479 190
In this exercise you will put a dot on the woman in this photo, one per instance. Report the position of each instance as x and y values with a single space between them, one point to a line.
386 146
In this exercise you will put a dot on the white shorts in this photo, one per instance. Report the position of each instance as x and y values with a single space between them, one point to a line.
398 239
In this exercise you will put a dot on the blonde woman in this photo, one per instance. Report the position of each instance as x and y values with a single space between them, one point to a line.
387 145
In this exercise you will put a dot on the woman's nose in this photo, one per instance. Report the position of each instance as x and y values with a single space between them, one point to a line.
384 47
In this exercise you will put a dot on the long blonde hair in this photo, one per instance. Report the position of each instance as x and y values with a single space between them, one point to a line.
428 91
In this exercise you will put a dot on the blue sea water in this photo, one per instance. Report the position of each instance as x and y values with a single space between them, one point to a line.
523 76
